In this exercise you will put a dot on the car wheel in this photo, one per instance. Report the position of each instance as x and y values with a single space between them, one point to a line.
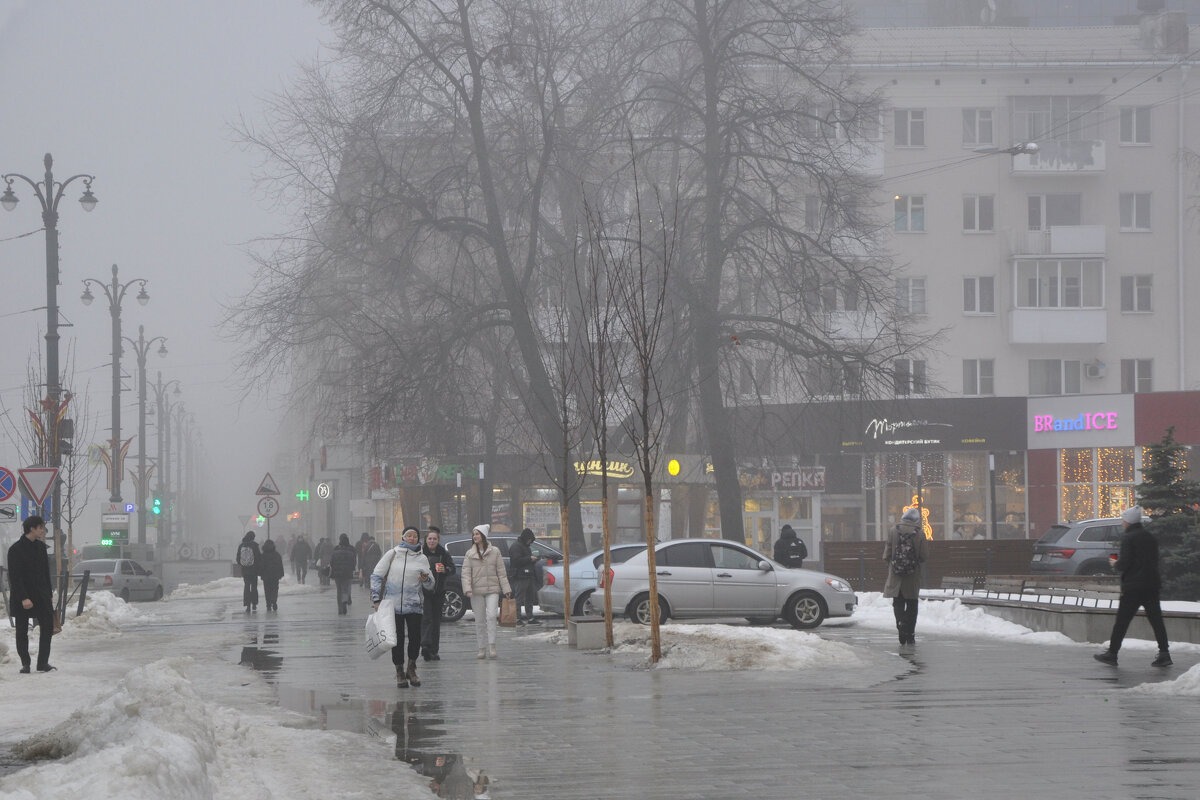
124 595
158 593
639 609
583 605
804 610
454 605
1096 569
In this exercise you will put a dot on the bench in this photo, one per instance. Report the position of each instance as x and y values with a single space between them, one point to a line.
1077 587
956 584
1003 584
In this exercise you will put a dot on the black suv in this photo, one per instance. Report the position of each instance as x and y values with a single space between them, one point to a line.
455 604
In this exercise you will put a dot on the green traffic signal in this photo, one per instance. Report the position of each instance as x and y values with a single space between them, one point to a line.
157 507
302 494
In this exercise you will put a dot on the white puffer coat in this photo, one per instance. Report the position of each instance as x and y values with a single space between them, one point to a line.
397 575
484 574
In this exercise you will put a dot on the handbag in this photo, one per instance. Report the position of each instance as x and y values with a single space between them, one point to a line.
508 612
381 629
57 624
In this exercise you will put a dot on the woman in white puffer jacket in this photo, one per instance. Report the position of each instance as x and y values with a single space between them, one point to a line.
400 575
484 577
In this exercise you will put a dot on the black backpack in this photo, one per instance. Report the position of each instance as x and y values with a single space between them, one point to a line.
904 556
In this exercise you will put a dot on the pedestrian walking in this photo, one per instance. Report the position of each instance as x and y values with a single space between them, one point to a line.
272 573
431 617
321 556
401 575
484 578
905 553
790 549
31 591
370 558
301 555
523 571
342 564
1141 585
249 558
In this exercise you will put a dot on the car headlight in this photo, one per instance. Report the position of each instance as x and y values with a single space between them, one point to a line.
838 585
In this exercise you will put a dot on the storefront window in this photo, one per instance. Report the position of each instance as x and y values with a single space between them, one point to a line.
1095 482
1010 496
968 483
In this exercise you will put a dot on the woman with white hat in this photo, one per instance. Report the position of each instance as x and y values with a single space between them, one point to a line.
484 577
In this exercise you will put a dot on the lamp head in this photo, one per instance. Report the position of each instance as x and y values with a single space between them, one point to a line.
162 349
87 296
142 297
9 199
89 200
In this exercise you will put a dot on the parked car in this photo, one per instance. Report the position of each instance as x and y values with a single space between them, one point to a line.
123 577
717 578
456 604
1078 548
584 572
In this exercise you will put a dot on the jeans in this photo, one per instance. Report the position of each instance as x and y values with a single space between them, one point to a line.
249 589
525 590
1127 610
301 571
413 623
343 593
271 592
431 623
487 618
43 612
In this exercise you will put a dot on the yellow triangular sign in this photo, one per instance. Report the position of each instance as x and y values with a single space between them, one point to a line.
267 486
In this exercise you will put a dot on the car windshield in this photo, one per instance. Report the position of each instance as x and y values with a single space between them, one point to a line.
1055 533
95 567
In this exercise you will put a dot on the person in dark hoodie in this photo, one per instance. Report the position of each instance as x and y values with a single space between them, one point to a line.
431 614
523 572
249 559
1141 585
370 557
271 572
31 592
790 549
301 555
342 564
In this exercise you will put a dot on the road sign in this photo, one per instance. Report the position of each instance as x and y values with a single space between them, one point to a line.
8 512
244 519
268 507
122 508
268 486
114 520
8 483
30 508
324 490
38 481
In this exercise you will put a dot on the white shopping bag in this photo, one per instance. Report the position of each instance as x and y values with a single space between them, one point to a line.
381 629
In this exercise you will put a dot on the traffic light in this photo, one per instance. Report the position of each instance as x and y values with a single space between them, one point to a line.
66 432
156 508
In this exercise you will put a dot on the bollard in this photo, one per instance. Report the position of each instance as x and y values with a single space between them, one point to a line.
862 570
83 586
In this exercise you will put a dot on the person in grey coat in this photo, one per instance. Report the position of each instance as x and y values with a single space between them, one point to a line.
905 589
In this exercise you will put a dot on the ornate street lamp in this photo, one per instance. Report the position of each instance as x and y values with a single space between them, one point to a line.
141 347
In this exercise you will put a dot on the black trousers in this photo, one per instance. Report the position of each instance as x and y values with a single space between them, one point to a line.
43 612
343 593
249 589
271 592
413 623
1127 610
431 623
525 592
905 611
301 571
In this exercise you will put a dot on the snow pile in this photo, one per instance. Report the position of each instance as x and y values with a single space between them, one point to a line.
232 587
104 612
1186 685
949 616
154 736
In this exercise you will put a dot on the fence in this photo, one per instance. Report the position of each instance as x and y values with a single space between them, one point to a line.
862 563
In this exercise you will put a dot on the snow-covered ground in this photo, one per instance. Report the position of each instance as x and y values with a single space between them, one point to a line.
183 722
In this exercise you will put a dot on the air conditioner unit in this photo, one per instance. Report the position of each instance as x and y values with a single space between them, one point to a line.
1095 370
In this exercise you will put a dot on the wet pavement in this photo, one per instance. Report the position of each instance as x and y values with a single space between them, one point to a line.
962 718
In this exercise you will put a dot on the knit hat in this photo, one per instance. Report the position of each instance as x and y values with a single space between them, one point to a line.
912 515
1132 515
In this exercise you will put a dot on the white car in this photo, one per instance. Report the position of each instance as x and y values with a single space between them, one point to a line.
718 578
124 577
584 572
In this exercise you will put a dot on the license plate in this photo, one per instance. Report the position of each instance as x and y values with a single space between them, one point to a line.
1037 557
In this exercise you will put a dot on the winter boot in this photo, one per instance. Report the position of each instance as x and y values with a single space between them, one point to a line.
412 672
1163 659
401 678
491 651
1109 657
481 654
425 654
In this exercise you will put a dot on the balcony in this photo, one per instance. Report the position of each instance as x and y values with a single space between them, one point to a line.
1081 156
1064 240
854 325
1058 326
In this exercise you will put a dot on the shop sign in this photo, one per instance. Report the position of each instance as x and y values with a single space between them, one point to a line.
429 470
933 425
782 479
614 469
1080 421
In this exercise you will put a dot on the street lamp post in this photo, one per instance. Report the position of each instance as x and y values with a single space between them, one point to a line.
115 292
177 495
49 193
162 415
141 347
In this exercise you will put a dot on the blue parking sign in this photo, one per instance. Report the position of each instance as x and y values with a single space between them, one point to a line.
30 508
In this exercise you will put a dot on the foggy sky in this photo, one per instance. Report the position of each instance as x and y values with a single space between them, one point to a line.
144 94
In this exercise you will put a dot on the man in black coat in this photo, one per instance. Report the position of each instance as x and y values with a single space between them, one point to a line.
790 549
1140 587
342 563
31 593
523 569
250 560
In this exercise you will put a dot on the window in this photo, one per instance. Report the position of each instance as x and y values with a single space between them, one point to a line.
910 213
726 557
910 127
1137 375
910 295
756 378
1057 118
1066 283
689 554
977 126
979 376
1135 292
833 379
979 295
910 376
1135 125
978 213
1135 211
812 212
1054 209
1052 376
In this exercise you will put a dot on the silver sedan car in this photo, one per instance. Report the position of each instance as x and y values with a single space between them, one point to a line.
584 572
717 578
124 577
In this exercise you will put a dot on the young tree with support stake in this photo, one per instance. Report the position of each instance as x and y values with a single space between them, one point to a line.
1171 500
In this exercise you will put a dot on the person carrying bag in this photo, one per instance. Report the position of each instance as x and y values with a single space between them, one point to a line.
483 579
401 575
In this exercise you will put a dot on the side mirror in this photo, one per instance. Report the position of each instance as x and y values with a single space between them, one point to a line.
765 566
